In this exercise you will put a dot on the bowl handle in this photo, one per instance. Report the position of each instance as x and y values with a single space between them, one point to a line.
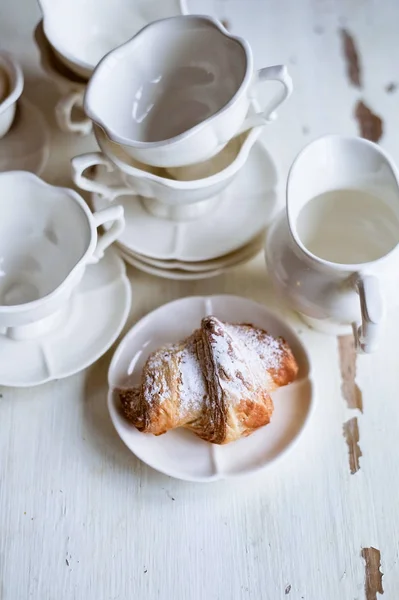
116 216
63 114
274 73
372 311
94 159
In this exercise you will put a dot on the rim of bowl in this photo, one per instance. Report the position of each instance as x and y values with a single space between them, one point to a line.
37 181
16 76
120 52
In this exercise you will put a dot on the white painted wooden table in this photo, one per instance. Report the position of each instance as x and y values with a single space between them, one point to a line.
81 518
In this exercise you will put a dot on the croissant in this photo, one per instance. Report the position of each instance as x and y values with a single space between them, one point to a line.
217 383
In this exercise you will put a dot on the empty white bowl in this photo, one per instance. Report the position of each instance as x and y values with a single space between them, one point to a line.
11 86
81 33
176 93
47 237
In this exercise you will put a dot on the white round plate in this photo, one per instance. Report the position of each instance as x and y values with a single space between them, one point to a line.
180 453
94 318
26 146
244 209
242 254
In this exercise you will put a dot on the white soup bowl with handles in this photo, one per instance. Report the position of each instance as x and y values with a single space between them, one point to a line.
179 90
48 236
164 196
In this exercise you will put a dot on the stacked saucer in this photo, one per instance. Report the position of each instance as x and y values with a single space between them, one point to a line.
228 234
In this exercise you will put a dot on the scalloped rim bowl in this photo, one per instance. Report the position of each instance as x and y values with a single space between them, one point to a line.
130 92
81 33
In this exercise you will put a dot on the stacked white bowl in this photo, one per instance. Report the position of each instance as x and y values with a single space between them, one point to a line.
74 36
175 117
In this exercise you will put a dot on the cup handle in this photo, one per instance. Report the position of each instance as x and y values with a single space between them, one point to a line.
93 159
114 214
372 311
274 73
63 114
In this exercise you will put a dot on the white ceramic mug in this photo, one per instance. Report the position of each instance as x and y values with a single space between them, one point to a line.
176 93
11 86
165 197
335 254
71 86
47 238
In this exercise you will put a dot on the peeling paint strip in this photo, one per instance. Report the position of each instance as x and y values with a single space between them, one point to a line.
352 60
347 363
371 126
373 579
351 434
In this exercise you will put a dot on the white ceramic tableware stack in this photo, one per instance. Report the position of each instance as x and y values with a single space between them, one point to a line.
74 36
189 245
48 239
175 118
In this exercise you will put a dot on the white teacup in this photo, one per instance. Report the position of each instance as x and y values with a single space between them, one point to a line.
11 86
47 237
185 198
335 254
81 33
70 85
176 93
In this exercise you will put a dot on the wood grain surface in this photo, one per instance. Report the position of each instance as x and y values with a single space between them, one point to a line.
81 518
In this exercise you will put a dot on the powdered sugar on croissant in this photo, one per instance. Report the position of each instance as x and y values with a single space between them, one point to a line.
216 383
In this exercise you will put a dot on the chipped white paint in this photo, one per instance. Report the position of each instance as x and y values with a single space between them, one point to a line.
80 517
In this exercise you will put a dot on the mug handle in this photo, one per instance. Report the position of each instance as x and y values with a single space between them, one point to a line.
114 214
63 114
372 311
94 159
274 73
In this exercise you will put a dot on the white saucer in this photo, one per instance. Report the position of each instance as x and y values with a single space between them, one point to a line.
26 146
242 254
244 209
178 274
94 318
179 453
